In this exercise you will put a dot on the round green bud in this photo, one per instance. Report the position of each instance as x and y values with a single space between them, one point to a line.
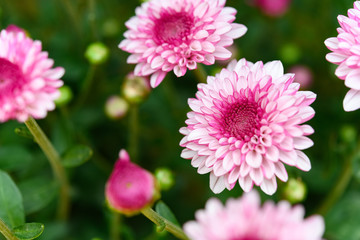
135 89
295 191
348 134
66 96
290 53
97 53
116 107
165 178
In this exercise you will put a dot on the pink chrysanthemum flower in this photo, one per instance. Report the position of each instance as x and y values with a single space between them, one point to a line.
175 35
244 219
28 83
346 54
245 125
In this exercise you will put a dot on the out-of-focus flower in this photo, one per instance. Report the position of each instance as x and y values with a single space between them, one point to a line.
245 125
135 88
116 107
28 83
165 178
97 53
244 218
303 75
346 53
273 7
130 188
176 35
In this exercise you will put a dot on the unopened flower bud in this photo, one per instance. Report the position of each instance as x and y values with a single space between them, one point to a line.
290 53
165 178
273 8
295 191
303 75
116 107
136 88
130 188
97 53
66 96
348 134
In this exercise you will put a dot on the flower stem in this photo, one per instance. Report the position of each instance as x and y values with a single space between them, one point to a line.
6 232
200 74
163 222
133 132
56 166
86 87
114 226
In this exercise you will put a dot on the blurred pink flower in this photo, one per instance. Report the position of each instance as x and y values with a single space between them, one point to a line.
245 125
273 7
346 53
303 75
244 219
28 83
175 35
130 188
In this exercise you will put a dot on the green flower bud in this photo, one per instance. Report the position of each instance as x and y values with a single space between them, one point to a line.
290 53
97 53
135 88
165 178
66 96
295 190
116 107
348 134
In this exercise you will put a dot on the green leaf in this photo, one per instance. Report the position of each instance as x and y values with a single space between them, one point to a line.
29 231
11 206
356 166
14 157
37 193
24 132
164 211
77 156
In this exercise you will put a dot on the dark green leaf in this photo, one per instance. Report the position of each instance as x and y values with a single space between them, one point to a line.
356 166
37 193
24 132
11 210
77 156
29 231
162 209
14 157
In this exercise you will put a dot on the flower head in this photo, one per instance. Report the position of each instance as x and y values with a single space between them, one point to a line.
346 53
176 35
245 125
130 188
244 219
273 7
28 83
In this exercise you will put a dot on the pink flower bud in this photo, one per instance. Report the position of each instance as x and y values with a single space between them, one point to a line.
15 29
303 75
273 7
130 188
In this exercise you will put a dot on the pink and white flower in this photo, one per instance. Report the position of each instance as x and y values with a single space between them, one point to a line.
346 53
245 124
28 83
176 35
244 219
130 188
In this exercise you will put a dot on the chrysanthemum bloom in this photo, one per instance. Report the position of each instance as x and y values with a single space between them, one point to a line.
175 35
28 83
130 188
346 53
244 219
245 125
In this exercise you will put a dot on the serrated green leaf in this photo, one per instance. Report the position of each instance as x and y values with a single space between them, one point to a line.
29 231
37 193
14 157
164 211
77 156
12 209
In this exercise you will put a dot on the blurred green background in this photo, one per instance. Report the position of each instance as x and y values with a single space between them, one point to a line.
67 27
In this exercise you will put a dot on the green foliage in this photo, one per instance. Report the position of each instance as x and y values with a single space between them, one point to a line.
11 205
163 210
14 157
76 156
29 231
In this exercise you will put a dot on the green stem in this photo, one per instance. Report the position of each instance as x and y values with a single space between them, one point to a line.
74 16
200 74
163 222
114 226
56 166
133 132
6 232
86 86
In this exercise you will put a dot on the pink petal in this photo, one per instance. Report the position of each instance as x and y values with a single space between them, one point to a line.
352 100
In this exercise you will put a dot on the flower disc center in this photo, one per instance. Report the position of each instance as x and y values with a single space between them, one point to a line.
241 119
11 76
173 28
